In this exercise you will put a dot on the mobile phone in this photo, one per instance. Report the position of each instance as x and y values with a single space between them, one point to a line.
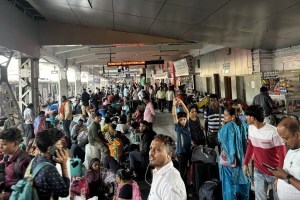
52 150
268 166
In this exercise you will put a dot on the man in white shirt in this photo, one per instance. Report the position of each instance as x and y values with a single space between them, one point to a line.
29 118
167 182
169 98
288 185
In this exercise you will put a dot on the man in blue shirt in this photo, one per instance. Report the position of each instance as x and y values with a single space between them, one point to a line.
238 105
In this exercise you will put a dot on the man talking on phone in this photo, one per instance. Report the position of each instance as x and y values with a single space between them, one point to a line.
288 184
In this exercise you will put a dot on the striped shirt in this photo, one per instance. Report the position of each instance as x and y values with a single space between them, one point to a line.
267 147
213 118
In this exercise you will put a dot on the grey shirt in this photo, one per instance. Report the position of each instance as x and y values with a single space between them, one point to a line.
265 101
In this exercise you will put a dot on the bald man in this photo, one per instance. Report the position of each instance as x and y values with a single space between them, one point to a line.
288 185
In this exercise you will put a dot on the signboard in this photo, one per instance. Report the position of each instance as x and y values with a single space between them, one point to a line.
54 72
161 75
181 67
132 63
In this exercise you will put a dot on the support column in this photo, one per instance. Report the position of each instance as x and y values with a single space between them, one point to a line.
35 93
62 84
78 85
28 83
90 83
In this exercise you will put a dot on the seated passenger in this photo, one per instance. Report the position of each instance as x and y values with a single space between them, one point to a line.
137 116
9 123
102 182
105 127
135 135
76 130
127 188
115 143
138 160
122 125
110 163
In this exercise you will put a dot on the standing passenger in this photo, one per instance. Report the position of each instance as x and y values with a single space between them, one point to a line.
213 116
14 162
288 185
183 135
233 139
160 96
66 115
265 144
167 183
169 98
85 97
48 183
264 100
149 112
28 117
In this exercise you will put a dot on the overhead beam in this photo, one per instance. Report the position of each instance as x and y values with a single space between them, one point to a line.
143 48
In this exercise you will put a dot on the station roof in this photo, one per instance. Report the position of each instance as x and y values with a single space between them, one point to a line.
170 28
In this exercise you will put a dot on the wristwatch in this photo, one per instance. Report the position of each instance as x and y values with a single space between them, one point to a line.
287 179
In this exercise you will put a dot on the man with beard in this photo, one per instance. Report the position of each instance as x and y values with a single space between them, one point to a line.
238 105
167 182
138 160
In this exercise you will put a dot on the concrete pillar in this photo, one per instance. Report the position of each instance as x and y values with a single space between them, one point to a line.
233 87
35 93
62 84
90 83
78 85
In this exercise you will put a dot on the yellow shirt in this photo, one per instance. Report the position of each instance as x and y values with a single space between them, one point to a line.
160 94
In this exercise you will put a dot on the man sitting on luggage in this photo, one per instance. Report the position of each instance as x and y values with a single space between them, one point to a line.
14 163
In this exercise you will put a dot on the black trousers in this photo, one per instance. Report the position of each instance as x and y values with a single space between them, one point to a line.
170 103
183 159
161 104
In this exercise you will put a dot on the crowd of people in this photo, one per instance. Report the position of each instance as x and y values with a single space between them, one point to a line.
110 132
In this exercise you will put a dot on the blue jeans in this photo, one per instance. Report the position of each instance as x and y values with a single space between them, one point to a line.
261 182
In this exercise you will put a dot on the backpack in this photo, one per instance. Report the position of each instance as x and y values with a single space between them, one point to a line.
24 189
210 190
17 171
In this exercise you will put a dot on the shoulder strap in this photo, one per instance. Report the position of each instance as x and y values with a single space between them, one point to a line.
17 171
39 167
220 110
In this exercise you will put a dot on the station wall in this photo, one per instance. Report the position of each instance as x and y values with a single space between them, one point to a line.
233 65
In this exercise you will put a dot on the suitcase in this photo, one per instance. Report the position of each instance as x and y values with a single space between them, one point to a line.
200 174
211 190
